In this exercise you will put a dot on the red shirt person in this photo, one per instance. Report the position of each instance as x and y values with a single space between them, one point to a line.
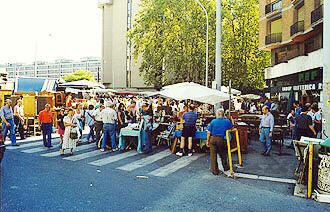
46 125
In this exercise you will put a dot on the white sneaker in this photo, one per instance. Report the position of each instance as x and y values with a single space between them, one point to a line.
227 173
102 150
179 154
190 154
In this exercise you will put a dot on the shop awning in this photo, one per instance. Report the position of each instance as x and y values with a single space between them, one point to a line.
29 84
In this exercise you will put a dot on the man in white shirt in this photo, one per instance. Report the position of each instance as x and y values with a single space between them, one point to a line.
19 118
109 118
98 123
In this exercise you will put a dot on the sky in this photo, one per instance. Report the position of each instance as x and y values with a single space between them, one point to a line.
49 30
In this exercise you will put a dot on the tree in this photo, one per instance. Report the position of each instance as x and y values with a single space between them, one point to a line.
79 75
169 37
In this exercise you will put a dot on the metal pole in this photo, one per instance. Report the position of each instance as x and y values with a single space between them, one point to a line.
218 46
206 44
326 70
229 108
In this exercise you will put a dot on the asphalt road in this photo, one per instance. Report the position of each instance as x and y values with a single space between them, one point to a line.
32 181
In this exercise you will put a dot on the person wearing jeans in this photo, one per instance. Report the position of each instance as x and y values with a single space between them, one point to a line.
7 117
109 117
266 128
146 128
47 129
46 125
90 122
98 124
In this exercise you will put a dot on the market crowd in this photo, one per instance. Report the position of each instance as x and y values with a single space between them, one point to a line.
106 116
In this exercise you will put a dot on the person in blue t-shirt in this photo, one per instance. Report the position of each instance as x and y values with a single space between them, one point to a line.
216 141
189 130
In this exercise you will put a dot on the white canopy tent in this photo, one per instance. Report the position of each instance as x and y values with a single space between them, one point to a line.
82 84
103 90
194 91
72 90
233 91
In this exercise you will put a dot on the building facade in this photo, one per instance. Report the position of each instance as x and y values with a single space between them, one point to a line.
119 68
54 70
292 30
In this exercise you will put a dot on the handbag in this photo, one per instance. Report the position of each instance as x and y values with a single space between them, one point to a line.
73 132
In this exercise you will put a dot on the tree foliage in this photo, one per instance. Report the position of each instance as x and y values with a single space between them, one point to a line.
169 38
79 75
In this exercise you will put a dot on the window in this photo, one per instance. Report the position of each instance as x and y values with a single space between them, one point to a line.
301 13
276 26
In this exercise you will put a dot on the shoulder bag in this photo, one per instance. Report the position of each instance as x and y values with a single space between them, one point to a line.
73 131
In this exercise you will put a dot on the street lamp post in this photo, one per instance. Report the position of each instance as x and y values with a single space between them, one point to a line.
218 46
206 44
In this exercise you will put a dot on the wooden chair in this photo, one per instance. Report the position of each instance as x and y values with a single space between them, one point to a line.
278 137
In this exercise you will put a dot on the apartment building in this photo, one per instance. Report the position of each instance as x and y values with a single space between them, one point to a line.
119 68
54 70
292 30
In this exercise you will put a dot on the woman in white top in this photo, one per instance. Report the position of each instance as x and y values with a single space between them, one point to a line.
70 123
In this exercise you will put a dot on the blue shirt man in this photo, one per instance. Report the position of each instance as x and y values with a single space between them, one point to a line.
219 126
7 117
7 112
190 118
216 140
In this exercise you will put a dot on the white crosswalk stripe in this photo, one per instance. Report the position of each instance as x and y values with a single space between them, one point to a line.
35 150
174 166
114 158
145 161
25 145
79 148
85 155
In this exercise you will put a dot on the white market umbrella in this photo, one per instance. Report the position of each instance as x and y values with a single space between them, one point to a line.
103 90
72 90
194 91
250 96
225 89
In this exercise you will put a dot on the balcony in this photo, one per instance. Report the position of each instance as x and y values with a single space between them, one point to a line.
273 38
297 3
297 27
317 14
274 6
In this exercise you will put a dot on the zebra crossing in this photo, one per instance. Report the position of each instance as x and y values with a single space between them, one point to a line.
129 161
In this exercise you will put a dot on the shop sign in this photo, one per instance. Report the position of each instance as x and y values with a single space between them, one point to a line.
306 87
